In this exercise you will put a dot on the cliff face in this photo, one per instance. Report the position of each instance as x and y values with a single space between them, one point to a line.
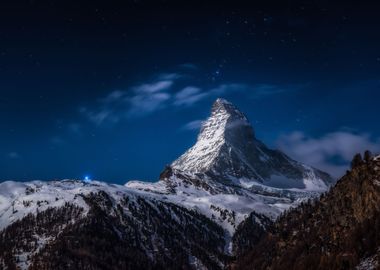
339 231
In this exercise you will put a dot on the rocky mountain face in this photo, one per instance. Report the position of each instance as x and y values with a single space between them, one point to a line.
227 182
341 230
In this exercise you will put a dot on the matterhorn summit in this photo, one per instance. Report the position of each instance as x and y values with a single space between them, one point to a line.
227 150
225 125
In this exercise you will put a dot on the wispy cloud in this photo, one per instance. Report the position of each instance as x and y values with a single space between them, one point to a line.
228 88
163 91
193 125
191 94
331 152
144 104
262 90
147 98
154 87
136 101
188 96
170 76
98 117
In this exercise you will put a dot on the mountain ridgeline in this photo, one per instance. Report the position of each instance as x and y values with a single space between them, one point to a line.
229 202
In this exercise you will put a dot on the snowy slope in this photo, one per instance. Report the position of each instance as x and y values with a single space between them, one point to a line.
135 213
19 199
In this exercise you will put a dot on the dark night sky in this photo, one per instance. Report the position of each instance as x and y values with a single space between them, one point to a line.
118 91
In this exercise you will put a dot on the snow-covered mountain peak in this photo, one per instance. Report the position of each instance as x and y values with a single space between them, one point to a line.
227 151
222 101
223 106
225 124
233 119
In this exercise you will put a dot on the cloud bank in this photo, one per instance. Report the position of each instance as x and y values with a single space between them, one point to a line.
332 152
